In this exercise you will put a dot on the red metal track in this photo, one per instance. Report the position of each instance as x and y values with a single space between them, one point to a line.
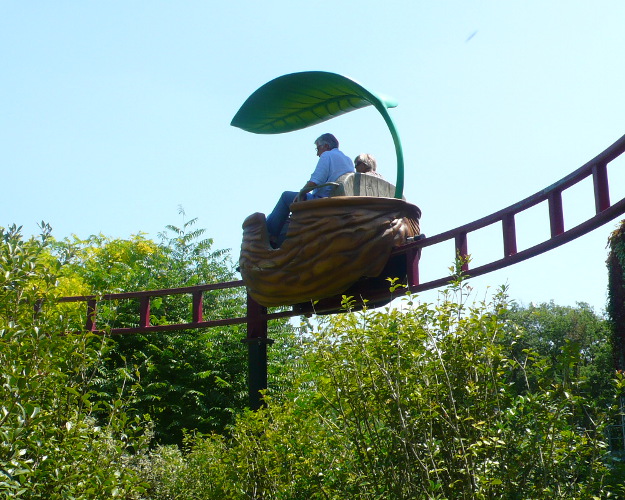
552 195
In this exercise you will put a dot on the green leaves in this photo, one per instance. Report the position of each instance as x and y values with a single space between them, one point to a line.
300 100
193 380
50 444
414 402
616 294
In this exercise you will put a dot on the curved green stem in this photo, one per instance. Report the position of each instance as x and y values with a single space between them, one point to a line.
399 185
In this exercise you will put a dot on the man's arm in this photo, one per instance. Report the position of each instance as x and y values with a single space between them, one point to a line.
308 185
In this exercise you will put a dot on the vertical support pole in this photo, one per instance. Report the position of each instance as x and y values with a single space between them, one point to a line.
257 351
556 214
602 190
509 235
198 314
462 250
412 266
91 312
144 312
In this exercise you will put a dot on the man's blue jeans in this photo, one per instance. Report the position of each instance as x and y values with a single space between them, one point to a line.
280 213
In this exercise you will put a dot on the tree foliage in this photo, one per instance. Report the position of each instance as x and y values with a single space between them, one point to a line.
549 329
616 293
418 402
50 444
193 380
453 400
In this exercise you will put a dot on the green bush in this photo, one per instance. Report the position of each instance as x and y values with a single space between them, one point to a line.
50 445
548 329
417 402
193 380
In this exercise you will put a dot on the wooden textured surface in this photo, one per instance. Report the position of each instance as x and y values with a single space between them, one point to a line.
331 242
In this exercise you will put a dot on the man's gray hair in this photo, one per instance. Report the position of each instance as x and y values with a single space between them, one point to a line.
327 140
368 161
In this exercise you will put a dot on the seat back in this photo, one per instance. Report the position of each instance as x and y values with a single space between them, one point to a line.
356 184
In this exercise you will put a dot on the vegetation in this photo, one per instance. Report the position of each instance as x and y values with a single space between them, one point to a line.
450 400
550 330
51 445
195 379
616 293
422 402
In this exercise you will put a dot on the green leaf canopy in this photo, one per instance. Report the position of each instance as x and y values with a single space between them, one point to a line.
299 100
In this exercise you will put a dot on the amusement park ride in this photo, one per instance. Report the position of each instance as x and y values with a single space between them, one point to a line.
349 243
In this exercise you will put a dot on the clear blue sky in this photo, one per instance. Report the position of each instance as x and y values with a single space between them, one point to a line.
115 113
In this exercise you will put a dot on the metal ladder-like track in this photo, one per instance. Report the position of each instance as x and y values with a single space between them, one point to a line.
552 195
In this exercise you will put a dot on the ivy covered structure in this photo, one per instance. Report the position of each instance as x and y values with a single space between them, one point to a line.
616 294
616 318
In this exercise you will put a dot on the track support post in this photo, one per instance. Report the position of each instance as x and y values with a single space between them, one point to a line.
257 342
462 250
600 183
412 266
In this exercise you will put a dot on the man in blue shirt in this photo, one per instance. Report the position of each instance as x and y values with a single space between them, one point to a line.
331 165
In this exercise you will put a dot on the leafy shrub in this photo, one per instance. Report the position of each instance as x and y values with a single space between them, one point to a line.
193 380
50 445
418 402
548 329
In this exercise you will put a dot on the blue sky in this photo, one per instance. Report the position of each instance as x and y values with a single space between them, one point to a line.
116 113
